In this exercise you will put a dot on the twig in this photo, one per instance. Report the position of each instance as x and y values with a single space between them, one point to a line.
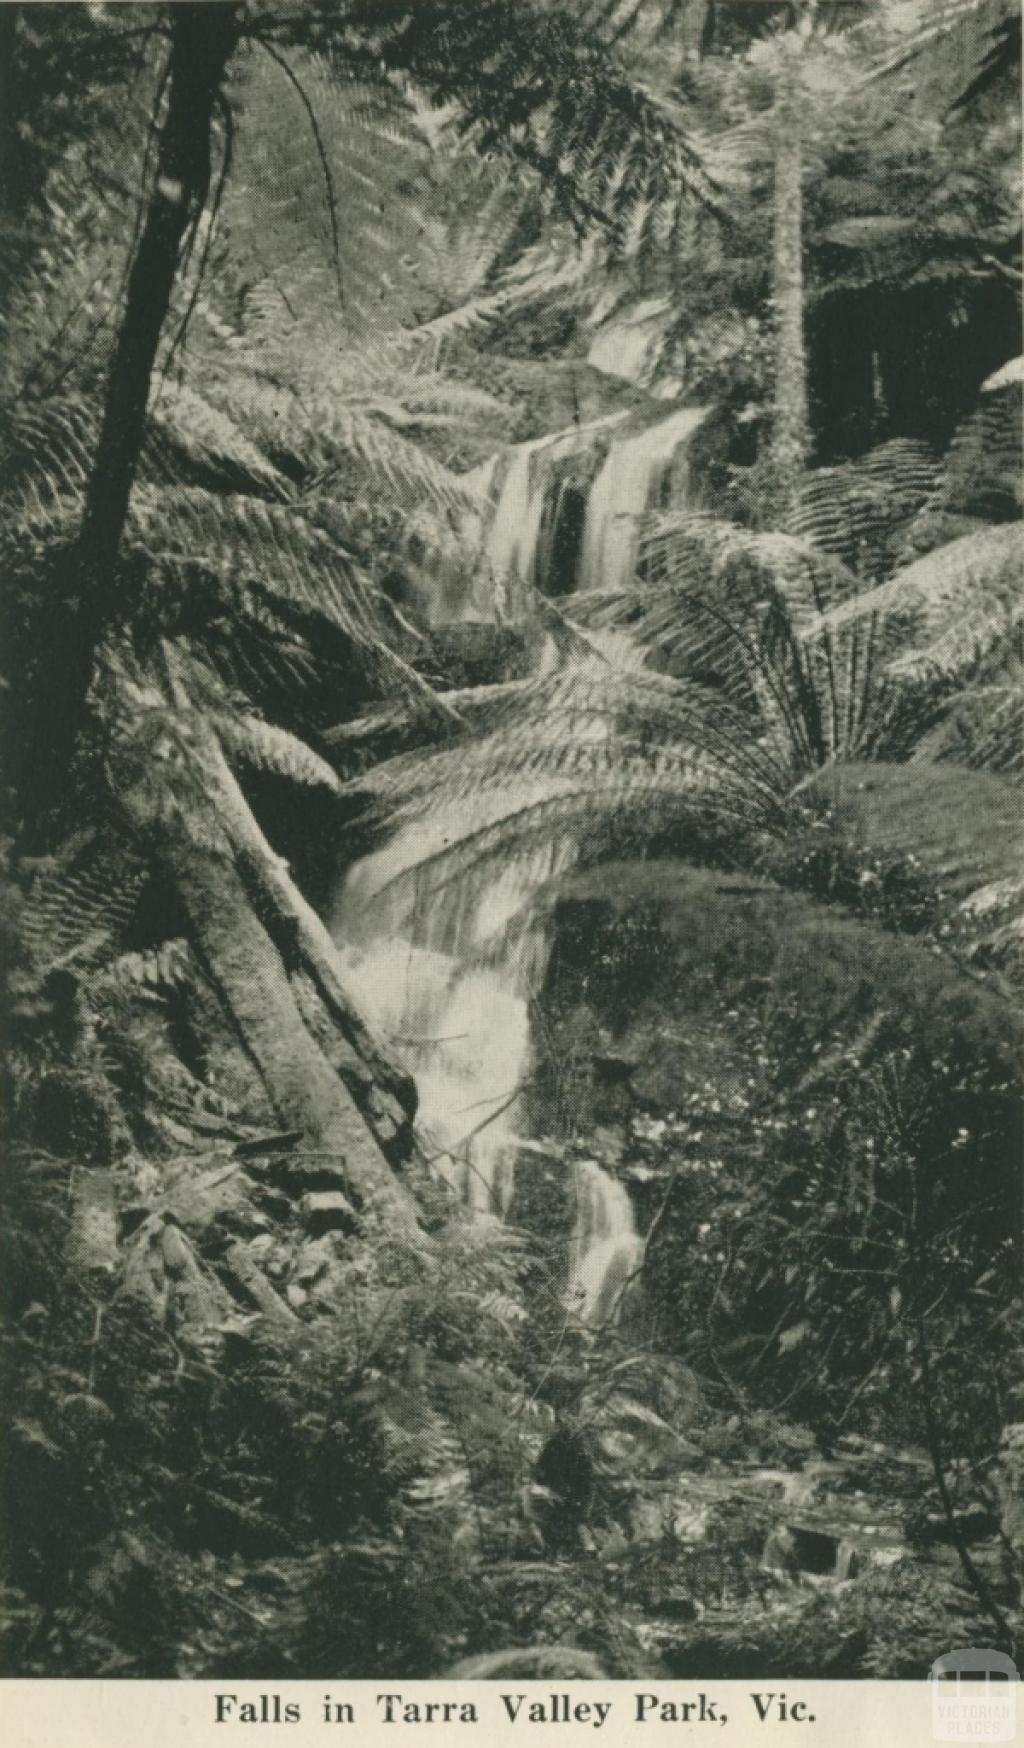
977 1582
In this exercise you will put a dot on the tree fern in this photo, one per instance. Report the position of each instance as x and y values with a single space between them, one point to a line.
859 511
935 26
535 85
958 604
563 767
727 605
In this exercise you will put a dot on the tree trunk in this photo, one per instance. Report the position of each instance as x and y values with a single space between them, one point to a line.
203 35
250 977
384 1092
345 1097
276 972
790 438
694 28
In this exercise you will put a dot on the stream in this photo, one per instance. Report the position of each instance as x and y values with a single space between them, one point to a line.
453 990
453 994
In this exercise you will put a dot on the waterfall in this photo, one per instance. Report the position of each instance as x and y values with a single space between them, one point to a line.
451 993
451 988
511 548
634 469
606 1250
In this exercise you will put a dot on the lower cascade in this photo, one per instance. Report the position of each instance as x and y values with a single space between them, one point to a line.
451 988
606 1251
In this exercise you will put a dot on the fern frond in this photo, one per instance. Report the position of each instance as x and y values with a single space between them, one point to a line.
983 726
544 91
944 18
981 475
275 547
79 906
209 440
1009 375
322 197
266 747
859 510
322 436
507 1312
168 966
569 764
693 549
954 606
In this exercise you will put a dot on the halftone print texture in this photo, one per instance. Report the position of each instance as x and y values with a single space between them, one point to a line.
511 892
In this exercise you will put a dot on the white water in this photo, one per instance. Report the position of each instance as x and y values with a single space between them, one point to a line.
451 990
633 472
606 1250
451 994
511 546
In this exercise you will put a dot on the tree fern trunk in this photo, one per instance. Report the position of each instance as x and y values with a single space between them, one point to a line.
790 438
694 28
203 35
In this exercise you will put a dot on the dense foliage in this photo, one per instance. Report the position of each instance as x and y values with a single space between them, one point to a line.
279 282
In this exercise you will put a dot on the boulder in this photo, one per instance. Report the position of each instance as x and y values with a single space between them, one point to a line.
327 1211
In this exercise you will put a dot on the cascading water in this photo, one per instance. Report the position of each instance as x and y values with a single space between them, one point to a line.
451 988
451 994
606 1251
634 468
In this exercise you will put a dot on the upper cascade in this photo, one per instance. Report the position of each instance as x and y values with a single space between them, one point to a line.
533 538
630 482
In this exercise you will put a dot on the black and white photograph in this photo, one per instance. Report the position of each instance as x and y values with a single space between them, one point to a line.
511 875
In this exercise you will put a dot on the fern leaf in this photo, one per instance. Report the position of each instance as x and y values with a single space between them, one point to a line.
168 966
209 439
79 906
267 747
956 604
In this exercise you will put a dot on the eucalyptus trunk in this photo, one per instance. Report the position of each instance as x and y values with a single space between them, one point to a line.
264 950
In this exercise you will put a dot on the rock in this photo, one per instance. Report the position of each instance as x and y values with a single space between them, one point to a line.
646 1519
327 1211
779 1553
311 1171
974 1522
690 1521
530 1663
314 1263
245 1270
612 1070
